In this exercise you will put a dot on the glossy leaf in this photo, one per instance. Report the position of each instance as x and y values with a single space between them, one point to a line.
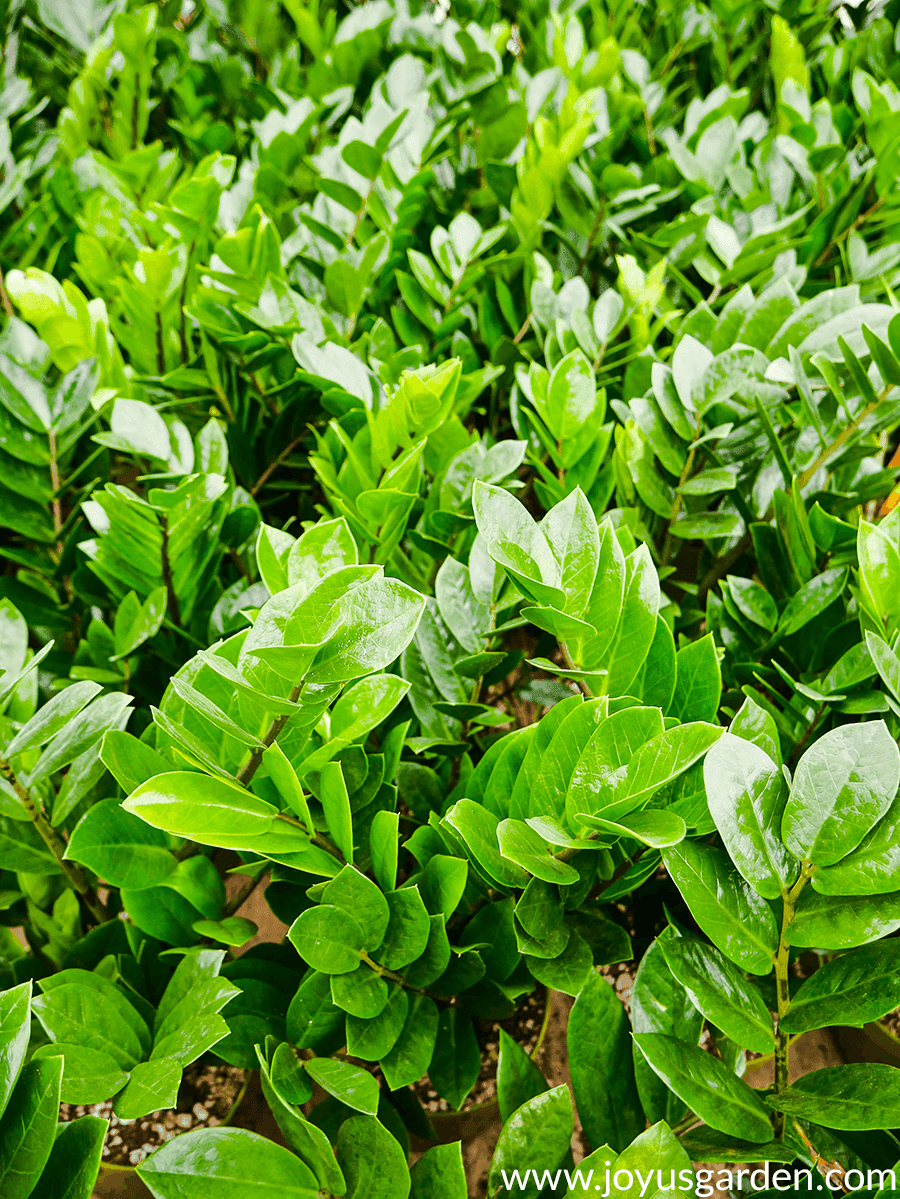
600 1061
859 1096
735 919
842 785
220 1161
708 1087
719 990
747 794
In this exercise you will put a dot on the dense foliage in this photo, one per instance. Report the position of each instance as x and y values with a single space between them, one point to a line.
449 477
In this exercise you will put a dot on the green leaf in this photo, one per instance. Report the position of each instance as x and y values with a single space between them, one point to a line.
516 543
136 622
407 931
650 1160
873 868
443 883
522 845
536 1137
757 726
698 682
852 989
654 826
718 989
15 1030
196 967
659 1004
336 803
220 1161
706 1144
478 829
747 795
350 1084
372 1039
754 602
383 846
28 1127
518 1077
233 930
362 992
379 621
856 1097
372 1161
89 1075
288 1076
600 1061
843 784
410 1056
456 1062
734 918
834 922
52 717
151 1087
568 970
439 1174
194 1033
74 1161
636 628
312 1017
708 1087
130 761
79 734
307 1140
812 599
328 938
570 528
80 1013
283 775
610 753
120 848
197 806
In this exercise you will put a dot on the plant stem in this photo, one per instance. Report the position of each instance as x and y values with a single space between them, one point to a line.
801 744
274 465
166 569
677 502
383 972
582 683
252 764
54 842
55 504
782 963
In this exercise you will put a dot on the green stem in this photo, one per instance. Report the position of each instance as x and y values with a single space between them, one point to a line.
676 503
392 976
172 607
252 764
783 993
54 842
571 665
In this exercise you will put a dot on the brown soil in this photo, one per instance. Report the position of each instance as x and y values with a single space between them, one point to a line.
891 1022
524 1026
205 1098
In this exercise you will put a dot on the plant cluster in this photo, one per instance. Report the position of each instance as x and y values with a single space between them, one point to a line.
448 479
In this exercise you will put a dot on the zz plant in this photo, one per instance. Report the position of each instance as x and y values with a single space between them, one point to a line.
806 861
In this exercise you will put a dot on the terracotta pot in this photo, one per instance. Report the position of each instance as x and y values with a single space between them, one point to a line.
469 1123
122 1182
